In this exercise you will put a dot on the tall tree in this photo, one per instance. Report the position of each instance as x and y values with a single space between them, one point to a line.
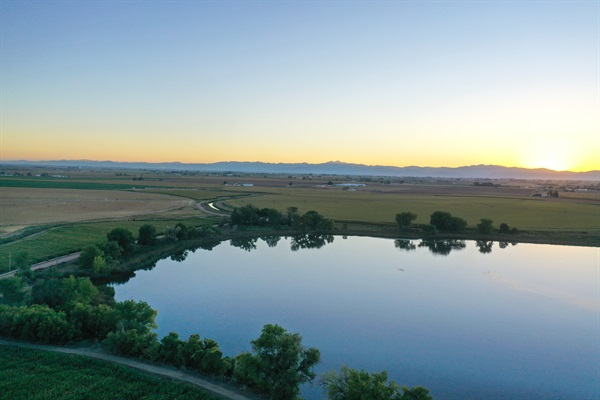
404 219
485 226
147 234
280 363
123 237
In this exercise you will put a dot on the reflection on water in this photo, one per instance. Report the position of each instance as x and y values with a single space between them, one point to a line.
309 241
484 246
271 240
297 242
247 244
521 323
404 244
443 247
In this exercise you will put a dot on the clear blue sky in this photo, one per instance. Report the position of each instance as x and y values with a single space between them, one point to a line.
396 82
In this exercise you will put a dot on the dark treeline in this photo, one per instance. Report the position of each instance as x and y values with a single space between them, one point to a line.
444 222
249 215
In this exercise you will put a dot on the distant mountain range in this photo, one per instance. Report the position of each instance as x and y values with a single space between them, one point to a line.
331 168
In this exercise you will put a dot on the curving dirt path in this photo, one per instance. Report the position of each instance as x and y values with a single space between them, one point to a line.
210 387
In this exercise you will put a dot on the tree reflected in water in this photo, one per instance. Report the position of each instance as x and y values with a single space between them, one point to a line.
180 255
484 246
443 247
310 241
247 244
209 245
404 244
271 240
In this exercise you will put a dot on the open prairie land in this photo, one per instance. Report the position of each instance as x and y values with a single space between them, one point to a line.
23 207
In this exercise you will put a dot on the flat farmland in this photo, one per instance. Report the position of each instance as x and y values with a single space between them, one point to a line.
23 207
523 212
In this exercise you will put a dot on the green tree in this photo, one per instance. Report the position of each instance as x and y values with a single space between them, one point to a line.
130 342
445 222
350 384
485 226
147 235
123 237
87 256
64 294
136 315
314 221
280 363
170 349
415 393
36 323
112 251
99 265
12 290
404 219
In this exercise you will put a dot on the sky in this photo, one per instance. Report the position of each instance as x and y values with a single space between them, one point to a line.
425 83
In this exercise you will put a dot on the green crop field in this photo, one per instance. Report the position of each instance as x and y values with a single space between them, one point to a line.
28 374
41 183
522 212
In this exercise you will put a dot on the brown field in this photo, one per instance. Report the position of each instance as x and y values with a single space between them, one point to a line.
23 207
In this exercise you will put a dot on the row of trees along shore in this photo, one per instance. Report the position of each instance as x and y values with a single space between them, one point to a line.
68 310
441 221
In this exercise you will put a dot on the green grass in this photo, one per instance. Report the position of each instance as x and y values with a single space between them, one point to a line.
28 374
523 213
71 238
45 183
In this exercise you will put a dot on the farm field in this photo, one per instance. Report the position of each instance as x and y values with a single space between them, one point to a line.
75 377
28 206
46 217
363 206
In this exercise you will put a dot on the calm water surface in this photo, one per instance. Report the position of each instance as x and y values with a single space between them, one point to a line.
465 321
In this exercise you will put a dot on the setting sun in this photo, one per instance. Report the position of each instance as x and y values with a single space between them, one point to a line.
553 153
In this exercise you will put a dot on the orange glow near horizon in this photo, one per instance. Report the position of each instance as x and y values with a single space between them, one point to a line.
550 156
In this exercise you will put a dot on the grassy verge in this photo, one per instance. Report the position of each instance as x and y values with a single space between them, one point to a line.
72 238
38 375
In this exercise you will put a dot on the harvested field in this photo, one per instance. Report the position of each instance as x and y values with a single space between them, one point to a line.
28 206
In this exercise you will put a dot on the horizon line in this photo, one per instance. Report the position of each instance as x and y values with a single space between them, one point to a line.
290 163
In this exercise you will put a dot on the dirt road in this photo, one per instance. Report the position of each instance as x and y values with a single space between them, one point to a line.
213 388
46 264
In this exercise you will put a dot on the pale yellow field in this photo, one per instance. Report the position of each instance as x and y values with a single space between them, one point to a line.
22 207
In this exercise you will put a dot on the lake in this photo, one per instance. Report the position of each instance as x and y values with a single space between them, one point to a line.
465 319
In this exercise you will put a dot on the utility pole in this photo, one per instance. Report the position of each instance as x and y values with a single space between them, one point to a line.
9 262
